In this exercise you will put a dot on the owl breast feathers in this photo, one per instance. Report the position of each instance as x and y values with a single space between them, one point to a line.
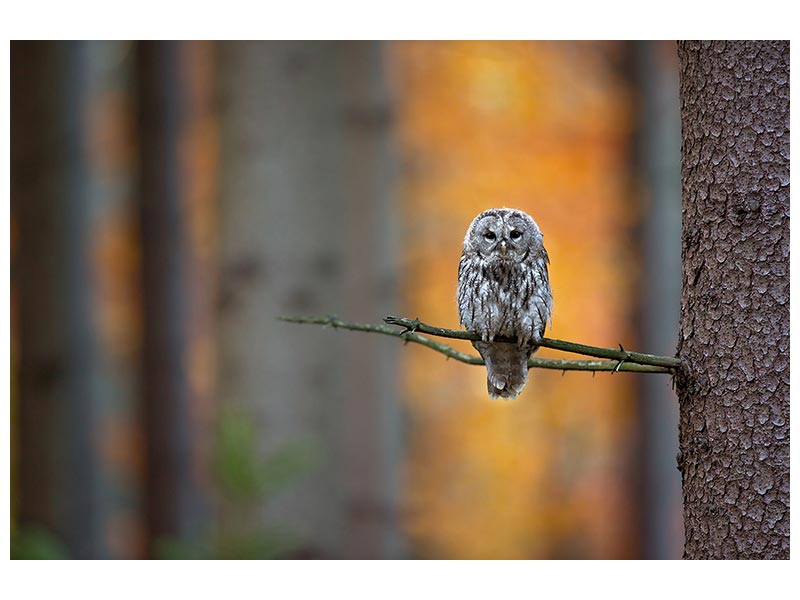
504 289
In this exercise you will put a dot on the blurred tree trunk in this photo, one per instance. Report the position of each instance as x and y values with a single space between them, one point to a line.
173 500
657 159
305 227
734 329
58 462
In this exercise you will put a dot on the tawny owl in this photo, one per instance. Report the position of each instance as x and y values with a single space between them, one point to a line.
504 289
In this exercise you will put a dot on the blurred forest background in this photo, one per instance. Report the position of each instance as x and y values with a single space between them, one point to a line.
169 200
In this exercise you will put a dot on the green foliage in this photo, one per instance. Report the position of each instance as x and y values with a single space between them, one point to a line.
34 543
246 482
239 470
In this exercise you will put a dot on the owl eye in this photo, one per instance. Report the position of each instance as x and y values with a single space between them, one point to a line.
489 235
516 234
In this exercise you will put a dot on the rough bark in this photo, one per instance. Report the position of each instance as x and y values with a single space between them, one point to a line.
734 328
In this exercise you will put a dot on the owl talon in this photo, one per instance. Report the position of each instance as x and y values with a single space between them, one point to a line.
523 341
485 335
535 340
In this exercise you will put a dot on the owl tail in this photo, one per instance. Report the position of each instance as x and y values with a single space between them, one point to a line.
506 368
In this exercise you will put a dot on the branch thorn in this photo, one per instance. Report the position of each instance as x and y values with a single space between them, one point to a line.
414 324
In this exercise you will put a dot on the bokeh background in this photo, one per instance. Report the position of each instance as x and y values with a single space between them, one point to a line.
169 200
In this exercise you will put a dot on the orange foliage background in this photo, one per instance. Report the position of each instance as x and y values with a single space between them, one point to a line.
543 127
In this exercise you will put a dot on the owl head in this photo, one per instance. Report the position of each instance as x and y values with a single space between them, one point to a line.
502 234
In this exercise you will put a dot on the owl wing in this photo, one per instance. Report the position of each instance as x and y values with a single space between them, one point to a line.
466 293
537 303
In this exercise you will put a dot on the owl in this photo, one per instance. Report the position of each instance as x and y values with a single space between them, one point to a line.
504 289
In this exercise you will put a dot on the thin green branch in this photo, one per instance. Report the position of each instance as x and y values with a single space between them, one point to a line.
619 355
413 326
337 323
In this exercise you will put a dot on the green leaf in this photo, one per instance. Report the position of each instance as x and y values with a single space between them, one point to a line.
34 543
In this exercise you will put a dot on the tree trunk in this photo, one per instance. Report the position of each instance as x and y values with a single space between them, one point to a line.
174 505
657 159
51 185
305 227
734 328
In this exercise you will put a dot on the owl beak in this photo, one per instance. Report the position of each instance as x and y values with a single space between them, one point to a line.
503 248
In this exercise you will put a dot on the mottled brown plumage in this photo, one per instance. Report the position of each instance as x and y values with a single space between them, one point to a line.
504 289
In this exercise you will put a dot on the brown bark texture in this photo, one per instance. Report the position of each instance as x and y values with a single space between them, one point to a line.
734 327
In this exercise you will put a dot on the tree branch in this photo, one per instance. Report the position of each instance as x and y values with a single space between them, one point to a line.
622 360
620 355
